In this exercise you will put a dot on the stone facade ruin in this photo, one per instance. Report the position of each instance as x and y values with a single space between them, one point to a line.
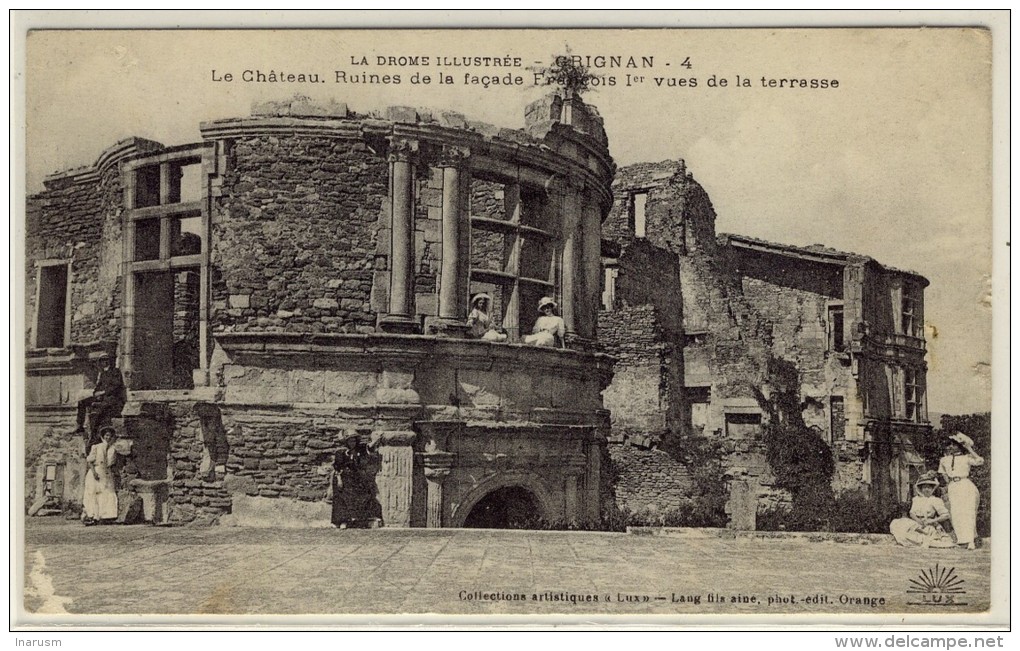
300 278
723 319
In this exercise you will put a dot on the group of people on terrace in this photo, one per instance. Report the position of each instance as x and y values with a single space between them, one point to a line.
549 330
928 514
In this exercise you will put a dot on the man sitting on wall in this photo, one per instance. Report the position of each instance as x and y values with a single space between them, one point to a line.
105 404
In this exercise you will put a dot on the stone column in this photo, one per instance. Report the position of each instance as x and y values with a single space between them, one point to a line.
437 469
395 478
400 317
590 268
571 221
452 287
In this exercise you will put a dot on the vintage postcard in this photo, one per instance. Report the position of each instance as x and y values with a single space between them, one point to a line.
660 325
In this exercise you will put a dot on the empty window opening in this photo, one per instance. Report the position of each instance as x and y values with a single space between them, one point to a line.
185 235
837 418
166 333
698 402
189 182
147 186
909 313
639 200
532 208
147 239
536 258
837 342
51 313
609 276
912 395
742 425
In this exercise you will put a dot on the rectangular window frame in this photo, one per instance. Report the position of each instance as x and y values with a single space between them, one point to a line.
913 394
836 332
535 206
909 311
39 267
638 212
610 272
168 209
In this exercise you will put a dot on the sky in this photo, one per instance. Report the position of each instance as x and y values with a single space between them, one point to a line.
894 163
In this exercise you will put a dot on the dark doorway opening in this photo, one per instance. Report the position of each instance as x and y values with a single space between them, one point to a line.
511 507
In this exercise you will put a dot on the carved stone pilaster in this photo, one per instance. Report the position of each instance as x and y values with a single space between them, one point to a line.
437 468
395 478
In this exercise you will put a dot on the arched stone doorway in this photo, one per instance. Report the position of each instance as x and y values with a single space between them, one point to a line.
509 507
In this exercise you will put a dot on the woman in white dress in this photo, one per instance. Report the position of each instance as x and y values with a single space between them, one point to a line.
99 504
549 329
480 325
927 513
963 494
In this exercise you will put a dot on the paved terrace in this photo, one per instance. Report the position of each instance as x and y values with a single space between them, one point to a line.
227 570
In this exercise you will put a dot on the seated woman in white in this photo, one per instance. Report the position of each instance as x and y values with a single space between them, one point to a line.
927 513
480 325
549 329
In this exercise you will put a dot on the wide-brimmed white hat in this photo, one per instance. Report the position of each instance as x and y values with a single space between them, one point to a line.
545 300
928 478
962 439
477 297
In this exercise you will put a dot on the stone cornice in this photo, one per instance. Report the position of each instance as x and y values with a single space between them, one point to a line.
112 155
385 351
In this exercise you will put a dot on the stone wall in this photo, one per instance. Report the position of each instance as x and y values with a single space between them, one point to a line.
77 218
52 443
635 400
294 236
648 480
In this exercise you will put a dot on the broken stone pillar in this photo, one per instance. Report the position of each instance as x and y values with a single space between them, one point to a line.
742 505
395 480
437 469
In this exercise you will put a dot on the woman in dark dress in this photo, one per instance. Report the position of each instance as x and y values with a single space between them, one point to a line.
354 502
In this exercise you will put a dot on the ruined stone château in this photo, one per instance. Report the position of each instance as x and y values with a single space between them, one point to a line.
704 327
301 278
